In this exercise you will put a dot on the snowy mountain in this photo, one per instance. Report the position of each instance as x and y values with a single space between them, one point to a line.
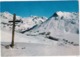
32 21
61 25
61 22
24 24
9 16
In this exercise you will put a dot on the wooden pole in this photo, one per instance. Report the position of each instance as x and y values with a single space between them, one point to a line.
13 30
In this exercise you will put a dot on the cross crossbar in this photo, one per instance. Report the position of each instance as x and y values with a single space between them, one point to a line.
15 21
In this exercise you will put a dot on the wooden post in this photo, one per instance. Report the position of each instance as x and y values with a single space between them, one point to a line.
13 30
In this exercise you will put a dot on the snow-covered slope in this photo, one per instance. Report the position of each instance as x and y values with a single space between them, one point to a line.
9 16
60 25
31 21
34 46
24 24
61 22
31 49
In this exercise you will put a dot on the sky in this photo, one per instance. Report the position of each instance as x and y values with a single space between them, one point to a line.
38 8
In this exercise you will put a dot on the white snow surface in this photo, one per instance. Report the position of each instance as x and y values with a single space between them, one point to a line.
34 46
31 49
24 38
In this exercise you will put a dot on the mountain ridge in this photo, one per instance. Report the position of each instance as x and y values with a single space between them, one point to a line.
65 21
25 23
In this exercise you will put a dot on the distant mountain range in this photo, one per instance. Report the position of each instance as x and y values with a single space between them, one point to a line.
61 26
26 23
60 22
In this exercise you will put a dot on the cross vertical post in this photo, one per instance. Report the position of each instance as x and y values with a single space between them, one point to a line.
13 30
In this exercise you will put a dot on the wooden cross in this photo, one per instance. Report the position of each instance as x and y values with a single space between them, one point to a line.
13 29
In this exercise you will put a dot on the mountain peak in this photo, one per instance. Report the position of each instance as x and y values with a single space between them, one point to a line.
65 15
6 13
